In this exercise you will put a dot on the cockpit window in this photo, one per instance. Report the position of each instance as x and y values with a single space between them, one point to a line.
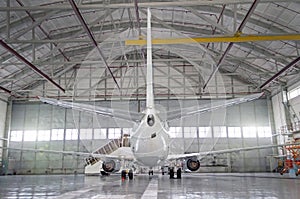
150 119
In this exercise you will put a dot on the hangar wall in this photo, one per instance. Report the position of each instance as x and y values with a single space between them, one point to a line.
34 123
279 111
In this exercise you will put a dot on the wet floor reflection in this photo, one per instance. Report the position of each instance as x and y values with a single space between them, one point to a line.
190 186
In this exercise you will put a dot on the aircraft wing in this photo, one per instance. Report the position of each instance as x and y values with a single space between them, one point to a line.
109 112
73 153
184 112
233 150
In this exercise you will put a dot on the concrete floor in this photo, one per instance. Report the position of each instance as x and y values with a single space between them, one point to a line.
262 185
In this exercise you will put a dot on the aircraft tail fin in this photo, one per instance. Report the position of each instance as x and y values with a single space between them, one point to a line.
149 83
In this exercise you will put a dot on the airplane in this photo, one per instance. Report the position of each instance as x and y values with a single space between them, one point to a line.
150 139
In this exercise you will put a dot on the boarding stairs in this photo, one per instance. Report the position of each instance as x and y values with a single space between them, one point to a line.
107 149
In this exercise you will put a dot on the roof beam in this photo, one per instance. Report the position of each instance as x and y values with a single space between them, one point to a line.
103 6
136 7
277 75
25 61
42 29
90 35
6 90
239 30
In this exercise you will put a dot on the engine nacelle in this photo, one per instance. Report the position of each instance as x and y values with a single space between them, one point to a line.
193 164
109 166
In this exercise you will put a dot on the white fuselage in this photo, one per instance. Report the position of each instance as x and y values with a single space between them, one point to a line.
150 140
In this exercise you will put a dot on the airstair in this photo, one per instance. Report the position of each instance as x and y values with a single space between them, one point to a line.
94 164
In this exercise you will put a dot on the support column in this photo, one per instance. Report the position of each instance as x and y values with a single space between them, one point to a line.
5 134
286 108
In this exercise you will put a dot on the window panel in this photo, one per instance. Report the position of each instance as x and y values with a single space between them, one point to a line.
205 132
16 136
86 134
220 131
264 131
175 132
71 134
100 133
30 135
190 132
44 135
294 93
234 132
127 131
114 133
57 134
249 132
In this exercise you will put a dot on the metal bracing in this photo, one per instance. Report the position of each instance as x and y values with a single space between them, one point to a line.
208 20
239 30
277 75
102 5
90 35
136 7
25 61
41 29
6 90
36 23
74 34
167 62
253 63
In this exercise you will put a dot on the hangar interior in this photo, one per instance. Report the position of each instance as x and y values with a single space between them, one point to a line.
90 54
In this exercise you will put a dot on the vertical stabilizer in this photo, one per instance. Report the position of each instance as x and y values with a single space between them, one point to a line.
149 95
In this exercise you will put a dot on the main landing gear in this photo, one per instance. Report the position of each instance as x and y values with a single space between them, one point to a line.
178 173
124 172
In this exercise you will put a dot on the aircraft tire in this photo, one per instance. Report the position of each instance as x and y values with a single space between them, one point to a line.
123 174
179 173
171 173
130 175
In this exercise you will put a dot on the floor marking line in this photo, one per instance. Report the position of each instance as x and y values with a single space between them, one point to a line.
151 190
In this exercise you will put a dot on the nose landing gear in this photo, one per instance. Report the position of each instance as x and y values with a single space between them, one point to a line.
150 172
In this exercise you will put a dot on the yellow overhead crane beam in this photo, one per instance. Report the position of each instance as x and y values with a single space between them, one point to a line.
236 38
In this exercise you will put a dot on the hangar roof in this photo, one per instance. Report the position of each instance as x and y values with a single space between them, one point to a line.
70 48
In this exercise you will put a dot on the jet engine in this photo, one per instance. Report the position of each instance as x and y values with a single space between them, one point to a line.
193 164
109 166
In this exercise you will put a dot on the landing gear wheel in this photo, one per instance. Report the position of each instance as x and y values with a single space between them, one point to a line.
179 173
123 174
130 174
171 173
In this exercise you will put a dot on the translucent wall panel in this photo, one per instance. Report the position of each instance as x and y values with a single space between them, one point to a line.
248 114
31 116
72 119
261 113
45 117
18 117
58 118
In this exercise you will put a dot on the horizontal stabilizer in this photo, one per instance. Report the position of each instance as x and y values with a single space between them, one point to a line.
109 112
184 112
